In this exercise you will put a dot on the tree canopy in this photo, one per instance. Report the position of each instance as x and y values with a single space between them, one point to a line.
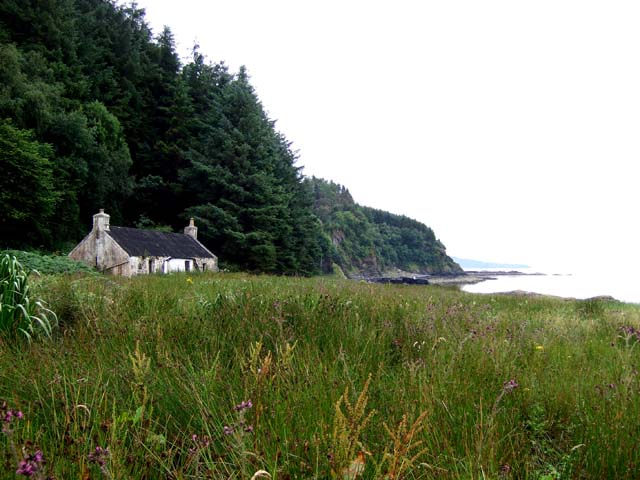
97 112
369 241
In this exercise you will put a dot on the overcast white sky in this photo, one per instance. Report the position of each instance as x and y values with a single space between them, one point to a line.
511 128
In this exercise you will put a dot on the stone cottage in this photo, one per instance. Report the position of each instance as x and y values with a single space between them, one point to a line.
132 251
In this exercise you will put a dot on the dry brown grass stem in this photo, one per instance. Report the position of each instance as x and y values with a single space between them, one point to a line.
406 450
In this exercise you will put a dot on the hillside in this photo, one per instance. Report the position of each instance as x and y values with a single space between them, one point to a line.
98 112
366 241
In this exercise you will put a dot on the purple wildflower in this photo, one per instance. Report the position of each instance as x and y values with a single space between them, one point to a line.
25 468
99 456
7 416
510 386
248 428
30 464
244 405
629 332
201 442
227 430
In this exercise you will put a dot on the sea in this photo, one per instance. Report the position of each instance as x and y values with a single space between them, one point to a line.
623 286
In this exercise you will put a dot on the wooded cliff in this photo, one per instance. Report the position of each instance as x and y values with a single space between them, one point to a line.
98 112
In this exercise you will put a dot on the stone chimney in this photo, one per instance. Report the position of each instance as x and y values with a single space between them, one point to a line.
101 221
191 230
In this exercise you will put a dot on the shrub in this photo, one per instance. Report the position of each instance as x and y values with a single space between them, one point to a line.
48 264
19 314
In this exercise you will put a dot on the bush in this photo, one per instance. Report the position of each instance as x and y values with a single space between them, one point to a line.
47 264
19 314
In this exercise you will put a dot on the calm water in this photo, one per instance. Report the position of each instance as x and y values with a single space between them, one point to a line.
623 287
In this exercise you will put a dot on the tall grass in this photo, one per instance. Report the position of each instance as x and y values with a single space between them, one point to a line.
20 313
223 376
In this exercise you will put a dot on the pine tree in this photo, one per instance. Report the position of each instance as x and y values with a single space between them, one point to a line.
27 195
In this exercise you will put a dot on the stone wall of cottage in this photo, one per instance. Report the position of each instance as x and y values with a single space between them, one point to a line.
156 264
99 250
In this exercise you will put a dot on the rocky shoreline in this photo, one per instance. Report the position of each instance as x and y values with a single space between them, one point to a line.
464 278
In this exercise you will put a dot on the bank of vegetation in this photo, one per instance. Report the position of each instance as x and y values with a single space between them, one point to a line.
223 375
368 242
98 112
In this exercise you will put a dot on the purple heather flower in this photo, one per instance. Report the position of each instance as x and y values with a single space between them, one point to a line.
248 428
227 430
510 385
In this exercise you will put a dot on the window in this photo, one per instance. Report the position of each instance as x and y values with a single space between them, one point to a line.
187 266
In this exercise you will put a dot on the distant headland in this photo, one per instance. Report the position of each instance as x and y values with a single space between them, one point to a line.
468 264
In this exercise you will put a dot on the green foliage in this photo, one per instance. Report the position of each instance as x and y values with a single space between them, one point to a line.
104 115
46 264
370 241
27 195
161 370
88 78
148 224
245 189
592 307
108 162
20 313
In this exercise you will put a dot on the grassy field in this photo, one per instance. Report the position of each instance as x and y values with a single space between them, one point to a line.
223 375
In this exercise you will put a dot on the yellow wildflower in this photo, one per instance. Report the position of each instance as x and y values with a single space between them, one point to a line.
539 347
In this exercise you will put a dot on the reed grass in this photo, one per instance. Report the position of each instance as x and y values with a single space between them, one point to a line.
226 375
20 313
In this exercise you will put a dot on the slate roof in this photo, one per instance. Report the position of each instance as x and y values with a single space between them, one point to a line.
138 243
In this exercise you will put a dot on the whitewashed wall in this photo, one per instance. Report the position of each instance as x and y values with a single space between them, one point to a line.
177 265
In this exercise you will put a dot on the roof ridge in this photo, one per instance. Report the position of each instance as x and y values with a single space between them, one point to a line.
146 230
143 242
